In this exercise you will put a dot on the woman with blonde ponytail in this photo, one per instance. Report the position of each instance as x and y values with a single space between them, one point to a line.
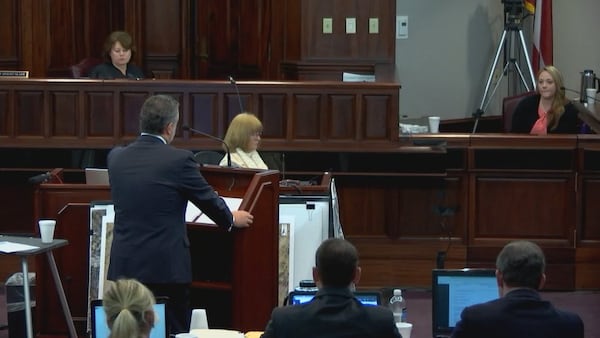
129 309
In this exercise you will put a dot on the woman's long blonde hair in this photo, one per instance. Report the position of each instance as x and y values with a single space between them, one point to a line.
128 305
560 100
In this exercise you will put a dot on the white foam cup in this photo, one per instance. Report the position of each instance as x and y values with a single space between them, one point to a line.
185 335
47 229
199 320
434 124
404 329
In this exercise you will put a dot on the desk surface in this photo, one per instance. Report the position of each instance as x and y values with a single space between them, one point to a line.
42 247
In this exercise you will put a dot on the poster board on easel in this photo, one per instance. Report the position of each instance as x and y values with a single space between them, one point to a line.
102 217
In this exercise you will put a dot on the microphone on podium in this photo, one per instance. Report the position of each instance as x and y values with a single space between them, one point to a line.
196 131
232 81
41 178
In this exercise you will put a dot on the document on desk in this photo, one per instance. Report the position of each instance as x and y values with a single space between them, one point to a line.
10 247
195 215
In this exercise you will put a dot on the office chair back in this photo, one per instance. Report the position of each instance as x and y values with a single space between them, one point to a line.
208 157
509 104
83 68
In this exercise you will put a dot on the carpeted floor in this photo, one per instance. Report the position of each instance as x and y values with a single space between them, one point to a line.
585 303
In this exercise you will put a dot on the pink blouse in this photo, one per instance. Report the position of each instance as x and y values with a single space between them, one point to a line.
540 127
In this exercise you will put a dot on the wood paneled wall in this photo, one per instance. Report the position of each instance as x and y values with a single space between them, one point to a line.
196 39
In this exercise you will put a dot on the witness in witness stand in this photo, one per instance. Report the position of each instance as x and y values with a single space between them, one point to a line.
519 312
548 111
243 138
128 305
334 311
118 50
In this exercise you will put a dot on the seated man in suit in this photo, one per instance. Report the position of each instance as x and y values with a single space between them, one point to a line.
334 312
520 311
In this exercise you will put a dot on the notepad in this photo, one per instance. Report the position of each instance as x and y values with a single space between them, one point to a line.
10 247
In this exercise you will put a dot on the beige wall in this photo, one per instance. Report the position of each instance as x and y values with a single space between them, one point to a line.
444 63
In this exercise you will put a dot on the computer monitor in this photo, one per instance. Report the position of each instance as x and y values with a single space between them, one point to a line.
368 298
96 176
453 290
100 328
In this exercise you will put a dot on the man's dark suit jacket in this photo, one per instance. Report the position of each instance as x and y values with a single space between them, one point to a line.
151 183
520 313
333 313
526 114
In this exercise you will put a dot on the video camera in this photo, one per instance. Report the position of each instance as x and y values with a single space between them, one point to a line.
513 11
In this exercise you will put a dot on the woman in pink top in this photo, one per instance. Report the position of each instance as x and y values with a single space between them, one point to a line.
548 111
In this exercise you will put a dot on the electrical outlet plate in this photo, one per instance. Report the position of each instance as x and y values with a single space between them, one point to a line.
350 25
373 25
402 27
327 25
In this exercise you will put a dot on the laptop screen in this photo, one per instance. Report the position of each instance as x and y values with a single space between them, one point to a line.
100 327
453 290
368 298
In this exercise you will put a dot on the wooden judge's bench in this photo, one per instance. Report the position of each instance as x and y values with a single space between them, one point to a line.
407 203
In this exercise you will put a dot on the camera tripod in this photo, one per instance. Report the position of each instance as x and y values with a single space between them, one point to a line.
511 31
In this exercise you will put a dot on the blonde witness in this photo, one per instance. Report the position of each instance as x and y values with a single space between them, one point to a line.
548 111
243 138
129 309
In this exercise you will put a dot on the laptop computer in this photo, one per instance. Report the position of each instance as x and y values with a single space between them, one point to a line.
453 290
368 298
96 176
100 328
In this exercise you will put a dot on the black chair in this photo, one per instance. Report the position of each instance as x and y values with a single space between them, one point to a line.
208 157
509 105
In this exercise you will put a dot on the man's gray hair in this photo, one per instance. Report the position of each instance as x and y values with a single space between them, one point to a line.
522 264
157 112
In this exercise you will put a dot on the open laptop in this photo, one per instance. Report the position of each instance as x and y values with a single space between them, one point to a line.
100 327
96 176
368 298
453 290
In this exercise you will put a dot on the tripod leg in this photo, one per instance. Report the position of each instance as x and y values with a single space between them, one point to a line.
491 73
524 47
497 85
521 76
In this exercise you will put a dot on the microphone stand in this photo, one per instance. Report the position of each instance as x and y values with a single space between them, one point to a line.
232 81
196 131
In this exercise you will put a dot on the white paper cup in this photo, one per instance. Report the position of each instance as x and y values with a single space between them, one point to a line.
185 335
199 320
590 95
47 229
404 329
434 124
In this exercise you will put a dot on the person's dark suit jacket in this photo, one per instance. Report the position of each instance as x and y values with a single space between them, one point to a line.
526 114
520 313
151 183
333 313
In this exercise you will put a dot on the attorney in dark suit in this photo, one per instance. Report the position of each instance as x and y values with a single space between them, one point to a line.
334 312
548 111
520 311
151 183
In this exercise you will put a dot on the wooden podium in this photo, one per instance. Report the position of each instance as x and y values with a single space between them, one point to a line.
234 273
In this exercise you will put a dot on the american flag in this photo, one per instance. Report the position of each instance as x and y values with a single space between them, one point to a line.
542 32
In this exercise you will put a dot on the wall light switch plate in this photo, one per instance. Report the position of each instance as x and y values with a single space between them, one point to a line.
327 25
373 25
350 25
402 27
